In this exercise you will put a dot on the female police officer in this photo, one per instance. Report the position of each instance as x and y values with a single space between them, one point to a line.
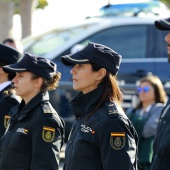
102 137
8 98
34 136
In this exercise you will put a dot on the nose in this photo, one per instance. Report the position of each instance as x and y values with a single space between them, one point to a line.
14 80
167 38
72 71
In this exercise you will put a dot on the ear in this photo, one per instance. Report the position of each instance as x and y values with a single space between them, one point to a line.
38 82
1 70
101 74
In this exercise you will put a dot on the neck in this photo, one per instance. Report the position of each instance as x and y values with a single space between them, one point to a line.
3 79
30 96
145 105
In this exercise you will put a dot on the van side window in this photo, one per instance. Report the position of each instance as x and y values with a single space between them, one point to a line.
130 40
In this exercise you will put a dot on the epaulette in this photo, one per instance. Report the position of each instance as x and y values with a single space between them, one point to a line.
46 108
112 109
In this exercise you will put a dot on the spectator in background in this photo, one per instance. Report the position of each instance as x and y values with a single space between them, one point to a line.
145 116
10 42
14 44
161 159
8 99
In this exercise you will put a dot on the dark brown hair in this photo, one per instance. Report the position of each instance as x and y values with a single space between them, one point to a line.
111 91
49 84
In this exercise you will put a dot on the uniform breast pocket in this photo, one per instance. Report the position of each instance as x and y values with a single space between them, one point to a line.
85 146
17 160
20 141
18 152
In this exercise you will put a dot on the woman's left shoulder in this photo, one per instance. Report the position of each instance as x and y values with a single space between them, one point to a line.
113 118
112 112
158 106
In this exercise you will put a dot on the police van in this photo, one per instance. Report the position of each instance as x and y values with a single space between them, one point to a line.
141 45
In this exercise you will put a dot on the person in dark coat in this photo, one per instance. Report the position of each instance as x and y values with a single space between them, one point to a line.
35 133
10 42
8 98
161 158
102 137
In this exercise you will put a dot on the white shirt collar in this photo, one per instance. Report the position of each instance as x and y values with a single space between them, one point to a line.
5 84
146 110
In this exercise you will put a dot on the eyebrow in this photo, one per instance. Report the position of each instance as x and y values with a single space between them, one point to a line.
19 72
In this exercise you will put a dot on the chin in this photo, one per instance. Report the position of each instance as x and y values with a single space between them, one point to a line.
75 88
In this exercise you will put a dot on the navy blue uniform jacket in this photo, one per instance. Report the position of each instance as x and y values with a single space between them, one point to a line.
8 100
33 138
105 141
161 158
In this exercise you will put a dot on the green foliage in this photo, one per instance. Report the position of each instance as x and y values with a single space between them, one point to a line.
38 4
166 2
41 4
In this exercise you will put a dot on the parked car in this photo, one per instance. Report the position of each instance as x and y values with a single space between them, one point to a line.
141 45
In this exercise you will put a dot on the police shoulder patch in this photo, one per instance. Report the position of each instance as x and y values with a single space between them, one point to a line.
48 134
117 140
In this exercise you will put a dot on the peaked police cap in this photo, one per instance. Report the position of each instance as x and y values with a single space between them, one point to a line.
163 24
35 64
99 54
9 55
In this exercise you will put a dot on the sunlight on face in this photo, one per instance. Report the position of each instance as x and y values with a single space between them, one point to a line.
25 85
84 79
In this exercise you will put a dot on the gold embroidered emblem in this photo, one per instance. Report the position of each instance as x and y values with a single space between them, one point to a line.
117 140
48 134
6 120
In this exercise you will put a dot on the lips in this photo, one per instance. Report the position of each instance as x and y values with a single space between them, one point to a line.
74 79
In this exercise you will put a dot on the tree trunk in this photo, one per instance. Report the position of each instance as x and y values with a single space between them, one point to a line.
26 11
6 19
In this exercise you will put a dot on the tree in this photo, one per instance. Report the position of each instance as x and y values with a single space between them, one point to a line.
167 3
6 15
26 12
25 8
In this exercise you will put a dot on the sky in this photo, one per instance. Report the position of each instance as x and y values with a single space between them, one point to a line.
58 13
